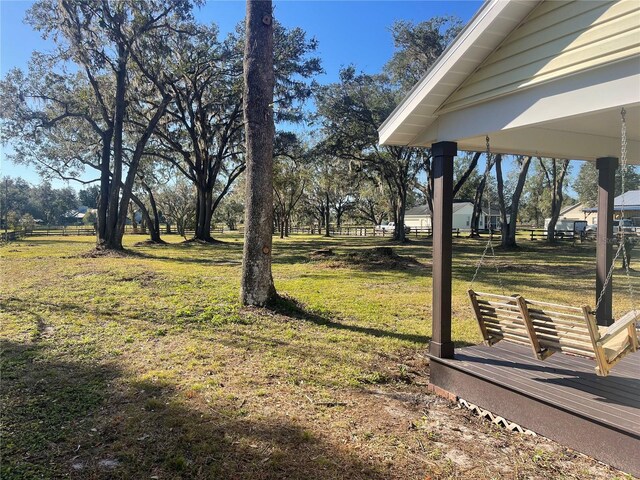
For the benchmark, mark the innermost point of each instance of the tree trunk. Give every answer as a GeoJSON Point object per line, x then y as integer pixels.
{"type": "Point", "coordinates": [113, 238]}
{"type": "Point", "coordinates": [154, 229]}
{"type": "Point", "coordinates": [155, 220]}
{"type": "Point", "coordinates": [327, 217]}
{"type": "Point", "coordinates": [257, 286]}
{"type": "Point", "coordinates": [504, 223]}
{"type": "Point", "coordinates": [626, 255]}
{"type": "Point", "coordinates": [105, 187]}
{"type": "Point", "coordinates": [204, 213]}
{"type": "Point", "coordinates": [428, 191]}
{"type": "Point", "coordinates": [515, 203]}
{"type": "Point", "coordinates": [465, 176]}
{"type": "Point", "coordinates": [557, 181]}
{"type": "Point", "coordinates": [127, 186]}
{"type": "Point", "coordinates": [399, 234]}
{"type": "Point", "coordinates": [477, 201]}
{"type": "Point", "coordinates": [477, 210]}
{"type": "Point", "coordinates": [134, 224]}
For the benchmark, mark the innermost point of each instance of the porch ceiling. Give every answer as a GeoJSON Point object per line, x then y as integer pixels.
{"type": "Point", "coordinates": [583, 137]}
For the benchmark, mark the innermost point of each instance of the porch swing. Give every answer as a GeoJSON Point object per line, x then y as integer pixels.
{"type": "Point", "coordinates": [548, 327]}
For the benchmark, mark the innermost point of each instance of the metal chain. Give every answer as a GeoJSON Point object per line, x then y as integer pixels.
{"type": "Point", "coordinates": [489, 245]}
{"type": "Point", "coordinates": [609, 275]}
{"type": "Point", "coordinates": [621, 247]}
{"type": "Point", "coordinates": [623, 164]}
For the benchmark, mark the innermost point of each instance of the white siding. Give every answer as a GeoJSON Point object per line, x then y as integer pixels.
{"type": "Point", "coordinates": [558, 38]}
{"type": "Point", "coordinates": [417, 221]}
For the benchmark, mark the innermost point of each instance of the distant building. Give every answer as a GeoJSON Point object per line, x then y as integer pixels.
{"type": "Point", "coordinates": [75, 216]}
{"type": "Point", "coordinates": [572, 213]}
{"type": "Point", "coordinates": [628, 201]}
{"type": "Point", "coordinates": [420, 216]}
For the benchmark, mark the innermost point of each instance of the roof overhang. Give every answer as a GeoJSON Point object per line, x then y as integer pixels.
{"type": "Point", "coordinates": [577, 116]}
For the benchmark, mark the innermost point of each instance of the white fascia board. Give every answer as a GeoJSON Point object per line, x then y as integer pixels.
{"type": "Point", "coordinates": [474, 43]}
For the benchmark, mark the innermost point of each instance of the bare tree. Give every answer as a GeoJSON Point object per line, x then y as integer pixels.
{"type": "Point", "coordinates": [554, 174]}
{"type": "Point", "coordinates": [477, 201]}
{"type": "Point", "coordinates": [257, 286]}
{"type": "Point", "coordinates": [508, 228]}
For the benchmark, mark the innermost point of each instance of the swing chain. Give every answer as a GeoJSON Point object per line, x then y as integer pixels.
{"type": "Point", "coordinates": [489, 245]}
{"type": "Point", "coordinates": [622, 240]}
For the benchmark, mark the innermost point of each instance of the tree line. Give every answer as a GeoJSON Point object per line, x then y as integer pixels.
{"type": "Point", "coordinates": [151, 102]}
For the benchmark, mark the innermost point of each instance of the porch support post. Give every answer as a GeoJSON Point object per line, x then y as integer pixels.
{"type": "Point", "coordinates": [604, 249]}
{"type": "Point", "coordinates": [443, 153]}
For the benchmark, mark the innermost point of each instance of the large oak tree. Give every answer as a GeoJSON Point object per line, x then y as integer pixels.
{"type": "Point", "coordinates": [72, 109]}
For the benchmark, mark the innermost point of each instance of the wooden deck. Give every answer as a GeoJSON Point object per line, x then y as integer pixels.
{"type": "Point", "coordinates": [561, 398]}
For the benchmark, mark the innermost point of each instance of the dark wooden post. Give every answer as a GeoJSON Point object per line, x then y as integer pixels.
{"type": "Point", "coordinates": [443, 153]}
{"type": "Point", "coordinates": [604, 250]}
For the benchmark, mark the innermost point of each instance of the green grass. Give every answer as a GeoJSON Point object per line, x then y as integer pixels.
{"type": "Point", "coordinates": [149, 360]}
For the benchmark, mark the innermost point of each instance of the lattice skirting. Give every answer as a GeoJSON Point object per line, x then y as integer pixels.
{"type": "Point", "coordinates": [500, 421]}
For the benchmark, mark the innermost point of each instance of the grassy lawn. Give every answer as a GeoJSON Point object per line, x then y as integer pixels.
{"type": "Point", "coordinates": [146, 366]}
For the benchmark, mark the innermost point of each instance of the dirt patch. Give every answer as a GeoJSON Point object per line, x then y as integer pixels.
{"type": "Point", "coordinates": [211, 241]}
{"type": "Point", "coordinates": [102, 253]}
{"type": "Point", "coordinates": [370, 259]}
{"type": "Point", "coordinates": [143, 278]}
{"type": "Point", "coordinates": [149, 243]}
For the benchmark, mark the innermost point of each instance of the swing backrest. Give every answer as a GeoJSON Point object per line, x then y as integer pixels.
{"type": "Point", "coordinates": [574, 331]}
{"type": "Point", "coordinates": [563, 328]}
{"type": "Point", "coordinates": [500, 318]}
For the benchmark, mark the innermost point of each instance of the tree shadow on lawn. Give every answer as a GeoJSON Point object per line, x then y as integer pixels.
{"type": "Point", "coordinates": [570, 281]}
{"type": "Point", "coordinates": [91, 420]}
{"type": "Point", "coordinates": [290, 307]}
{"type": "Point", "coordinates": [366, 260]}
{"type": "Point", "coordinates": [185, 251]}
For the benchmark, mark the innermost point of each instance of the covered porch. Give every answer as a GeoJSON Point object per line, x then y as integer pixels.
{"type": "Point", "coordinates": [548, 79]}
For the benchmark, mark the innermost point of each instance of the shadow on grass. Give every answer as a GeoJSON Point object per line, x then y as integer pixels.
{"type": "Point", "coordinates": [379, 259]}
{"type": "Point", "coordinates": [185, 250]}
{"type": "Point", "coordinates": [291, 308]}
{"type": "Point", "coordinates": [66, 418]}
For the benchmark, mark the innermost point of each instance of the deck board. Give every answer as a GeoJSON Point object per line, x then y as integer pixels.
{"type": "Point", "coordinates": [566, 382]}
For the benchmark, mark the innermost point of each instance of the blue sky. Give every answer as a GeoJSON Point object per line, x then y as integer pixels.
{"type": "Point", "coordinates": [348, 32]}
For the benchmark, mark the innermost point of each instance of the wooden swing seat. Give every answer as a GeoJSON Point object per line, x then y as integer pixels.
{"type": "Point", "coordinates": [550, 328]}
